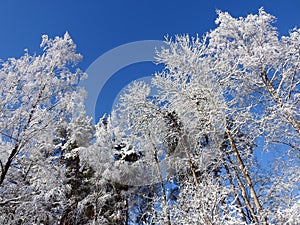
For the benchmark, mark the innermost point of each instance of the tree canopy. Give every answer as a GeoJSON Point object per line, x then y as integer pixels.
{"type": "Point", "coordinates": [188, 154]}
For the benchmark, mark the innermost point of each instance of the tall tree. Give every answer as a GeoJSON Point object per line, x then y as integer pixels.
{"type": "Point", "coordinates": [39, 93]}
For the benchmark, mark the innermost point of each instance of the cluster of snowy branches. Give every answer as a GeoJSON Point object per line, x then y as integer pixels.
{"type": "Point", "coordinates": [188, 154]}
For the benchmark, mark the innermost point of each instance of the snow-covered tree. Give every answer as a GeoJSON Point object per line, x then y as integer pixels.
{"type": "Point", "coordinates": [259, 70]}
{"type": "Point", "coordinates": [218, 98]}
{"type": "Point", "coordinates": [40, 100]}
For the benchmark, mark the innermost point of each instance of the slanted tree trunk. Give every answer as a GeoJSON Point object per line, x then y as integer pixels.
{"type": "Point", "coordinates": [247, 179]}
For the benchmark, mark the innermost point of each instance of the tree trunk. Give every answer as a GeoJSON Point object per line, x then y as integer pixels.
{"type": "Point", "coordinates": [247, 177]}
{"type": "Point", "coordinates": [166, 212]}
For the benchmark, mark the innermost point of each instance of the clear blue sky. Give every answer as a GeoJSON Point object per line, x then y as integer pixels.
{"type": "Point", "coordinates": [97, 26]}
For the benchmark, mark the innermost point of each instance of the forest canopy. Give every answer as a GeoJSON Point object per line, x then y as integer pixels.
{"type": "Point", "coordinates": [188, 154]}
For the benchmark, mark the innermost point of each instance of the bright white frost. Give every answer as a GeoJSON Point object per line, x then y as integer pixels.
{"type": "Point", "coordinates": [184, 155]}
{"type": "Point", "coordinates": [39, 93]}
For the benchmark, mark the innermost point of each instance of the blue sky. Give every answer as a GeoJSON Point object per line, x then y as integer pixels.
{"type": "Point", "coordinates": [98, 26]}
